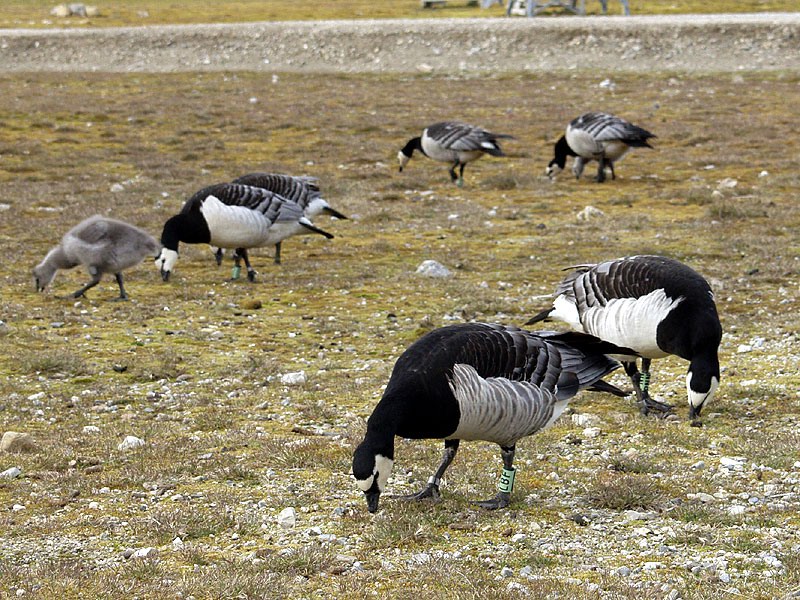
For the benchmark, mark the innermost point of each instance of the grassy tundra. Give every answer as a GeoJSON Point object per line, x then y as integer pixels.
{"type": "Point", "coordinates": [637, 509]}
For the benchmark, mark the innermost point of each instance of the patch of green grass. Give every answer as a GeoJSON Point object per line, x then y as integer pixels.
{"type": "Point", "coordinates": [625, 491]}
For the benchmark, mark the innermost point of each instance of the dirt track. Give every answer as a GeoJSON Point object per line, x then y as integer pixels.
{"type": "Point", "coordinates": [688, 43]}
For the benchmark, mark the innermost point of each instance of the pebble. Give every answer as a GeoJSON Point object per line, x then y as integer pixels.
{"type": "Point", "coordinates": [506, 572]}
{"type": "Point", "coordinates": [584, 420]}
{"type": "Point", "coordinates": [294, 378]}
{"type": "Point", "coordinates": [11, 473]}
{"type": "Point", "coordinates": [591, 432]}
{"type": "Point", "coordinates": [14, 441]}
{"type": "Point", "coordinates": [431, 268]}
{"type": "Point", "coordinates": [148, 552]}
{"type": "Point", "coordinates": [590, 212]}
{"type": "Point", "coordinates": [18, 507]}
{"type": "Point", "coordinates": [287, 518]}
{"type": "Point", "coordinates": [623, 571]}
{"type": "Point", "coordinates": [518, 537]}
{"type": "Point", "coordinates": [130, 442]}
{"type": "Point", "coordinates": [91, 429]}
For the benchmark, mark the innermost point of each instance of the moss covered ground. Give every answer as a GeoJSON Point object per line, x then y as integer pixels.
{"type": "Point", "coordinates": [193, 366]}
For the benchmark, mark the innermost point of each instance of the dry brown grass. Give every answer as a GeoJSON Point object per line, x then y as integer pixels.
{"type": "Point", "coordinates": [216, 420]}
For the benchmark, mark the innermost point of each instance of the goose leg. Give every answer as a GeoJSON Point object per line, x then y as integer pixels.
{"type": "Point", "coordinates": [641, 383]}
{"type": "Point", "coordinates": [123, 295]}
{"type": "Point", "coordinates": [278, 253]}
{"type": "Point", "coordinates": [611, 166]}
{"type": "Point", "coordinates": [237, 264]}
{"type": "Point", "coordinates": [460, 182]}
{"type": "Point", "coordinates": [453, 176]}
{"type": "Point", "coordinates": [218, 256]}
{"type": "Point", "coordinates": [251, 272]}
{"type": "Point", "coordinates": [95, 280]}
{"type": "Point", "coordinates": [601, 171]}
{"type": "Point", "coordinates": [506, 483]}
{"type": "Point", "coordinates": [432, 489]}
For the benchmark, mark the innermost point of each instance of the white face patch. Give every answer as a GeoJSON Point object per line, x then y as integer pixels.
{"type": "Point", "coordinates": [698, 399]}
{"type": "Point", "coordinates": [552, 171]}
{"type": "Point", "coordinates": [166, 260]}
{"type": "Point", "coordinates": [383, 468]}
{"type": "Point", "coordinates": [402, 159]}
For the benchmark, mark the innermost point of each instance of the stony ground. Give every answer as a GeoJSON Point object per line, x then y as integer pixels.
{"type": "Point", "coordinates": [249, 398]}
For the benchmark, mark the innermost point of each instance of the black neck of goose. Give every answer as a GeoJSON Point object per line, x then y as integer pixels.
{"type": "Point", "coordinates": [562, 151]}
{"type": "Point", "coordinates": [413, 144]}
{"type": "Point", "coordinates": [190, 228]}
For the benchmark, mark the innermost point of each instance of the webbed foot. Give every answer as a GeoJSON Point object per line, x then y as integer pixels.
{"type": "Point", "coordinates": [501, 500]}
{"type": "Point", "coordinates": [430, 491]}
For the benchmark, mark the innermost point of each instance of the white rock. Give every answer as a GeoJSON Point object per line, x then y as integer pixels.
{"type": "Point", "coordinates": [506, 572]}
{"type": "Point", "coordinates": [294, 378]}
{"type": "Point", "coordinates": [62, 10]}
{"type": "Point", "coordinates": [287, 518]}
{"type": "Point", "coordinates": [701, 496]}
{"type": "Point", "coordinates": [518, 537]}
{"type": "Point", "coordinates": [724, 577]}
{"type": "Point", "coordinates": [584, 420]}
{"type": "Point", "coordinates": [130, 442]}
{"type": "Point", "coordinates": [11, 473]}
{"type": "Point", "coordinates": [18, 507]}
{"type": "Point", "coordinates": [177, 543]}
{"type": "Point", "coordinates": [735, 463]}
{"type": "Point", "coordinates": [736, 509]}
{"type": "Point", "coordinates": [590, 212]}
{"type": "Point", "coordinates": [117, 187]}
{"type": "Point", "coordinates": [95, 506]}
{"type": "Point", "coordinates": [148, 552]}
{"type": "Point", "coordinates": [727, 184]}
{"type": "Point", "coordinates": [14, 441]}
{"type": "Point", "coordinates": [652, 566]}
{"type": "Point", "coordinates": [591, 432]}
{"type": "Point", "coordinates": [744, 348]}
{"type": "Point", "coordinates": [91, 429]}
{"type": "Point", "coordinates": [764, 174]}
{"type": "Point", "coordinates": [431, 268]}
{"type": "Point", "coordinates": [424, 68]}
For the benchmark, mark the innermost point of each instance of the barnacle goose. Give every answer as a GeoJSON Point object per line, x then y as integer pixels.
{"type": "Point", "coordinates": [231, 215]}
{"type": "Point", "coordinates": [453, 142]}
{"type": "Point", "coordinates": [654, 305]}
{"type": "Point", "coordinates": [477, 381]}
{"type": "Point", "coordinates": [301, 189]}
{"type": "Point", "coordinates": [102, 245]}
{"type": "Point", "coordinates": [597, 136]}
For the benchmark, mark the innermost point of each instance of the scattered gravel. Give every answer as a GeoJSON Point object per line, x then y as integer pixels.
{"type": "Point", "coordinates": [766, 41]}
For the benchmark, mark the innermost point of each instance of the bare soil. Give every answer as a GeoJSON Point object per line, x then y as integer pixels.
{"type": "Point", "coordinates": [694, 43]}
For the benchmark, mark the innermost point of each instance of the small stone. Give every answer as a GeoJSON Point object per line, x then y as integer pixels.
{"type": "Point", "coordinates": [652, 566]}
{"type": "Point", "coordinates": [518, 537]}
{"type": "Point", "coordinates": [127, 553]}
{"type": "Point", "coordinates": [526, 571]}
{"type": "Point", "coordinates": [61, 11]}
{"type": "Point", "coordinates": [736, 509]}
{"type": "Point", "coordinates": [698, 465]}
{"type": "Point", "coordinates": [95, 506]}
{"type": "Point", "coordinates": [177, 543]}
{"type": "Point", "coordinates": [579, 519]}
{"type": "Point", "coordinates": [724, 577]}
{"type": "Point", "coordinates": [623, 571]}
{"type": "Point", "coordinates": [590, 212]}
{"type": "Point", "coordinates": [591, 432]}
{"type": "Point", "coordinates": [252, 304]}
{"type": "Point", "coordinates": [506, 572]}
{"type": "Point", "coordinates": [702, 497]}
{"type": "Point", "coordinates": [91, 429]}
{"type": "Point", "coordinates": [431, 268]}
{"type": "Point", "coordinates": [14, 441]}
{"type": "Point", "coordinates": [583, 420]}
{"type": "Point", "coordinates": [11, 473]}
{"type": "Point", "coordinates": [148, 552]}
{"type": "Point", "coordinates": [287, 518]}
{"type": "Point", "coordinates": [131, 442]}
{"type": "Point", "coordinates": [117, 187]}
{"type": "Point", "coordinates": [744, 348]}
{"type": "Point", "coordinates": [735, 463]}
{"type": "Point", "coordinates": [18, 507]}
{"type": "Point", "coordinates": [295, 378]}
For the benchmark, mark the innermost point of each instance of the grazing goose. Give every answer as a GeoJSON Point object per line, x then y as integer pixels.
{"type": "Point", "coordinates": [477, 381]}
{"type": "Point", "coordinates": [597, 136]}
{"type": "Point", "coordinates": [231, 215]}
{"type": "Point", "coordinates": [654, 305]}
{"type": "Point", "coordinates": [102, 245]}
{"type": "Point", "coordinates": [303, 190]}
{"type": "Point", "coordinates": [453, 142]}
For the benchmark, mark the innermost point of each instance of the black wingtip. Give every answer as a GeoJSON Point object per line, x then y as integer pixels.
{"type": "Point", "coordinates": [609, 388]}
{"type": "Point", "coordinates": [568, 385]}
{"type": "Point", "coordinates": [540, 317]}
{"type": "Point", "coordinates": [334, 213]}
{"type": "Point", "coordinates": [317, 230]}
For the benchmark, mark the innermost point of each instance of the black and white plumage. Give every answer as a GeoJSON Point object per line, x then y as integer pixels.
{"type": "Point", "coordinates": [301, 189]}
{"type": "Point", "coordinates": [656, 306]}
{"type": "Point", "coordinates": [477, 381]}
{"type": "Point", "coordinates": [597, 136]}
{"type": "Point", "coordinates": [102, 245]}
{"type": "Point", "coordinates": [230, 215]}
{"type": "Point", "coordinates": [455, 143]}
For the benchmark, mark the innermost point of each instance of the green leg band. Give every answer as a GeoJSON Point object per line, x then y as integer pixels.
{"type": "Point", "coordinates": [644, 381]}
{"type": "Point", "coordinates": [506, 483]}
{"type": "Point", "coordinates": [237, 270]}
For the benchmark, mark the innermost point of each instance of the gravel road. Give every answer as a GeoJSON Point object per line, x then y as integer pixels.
{"type": "Point", "coordinates": [687, 43]}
